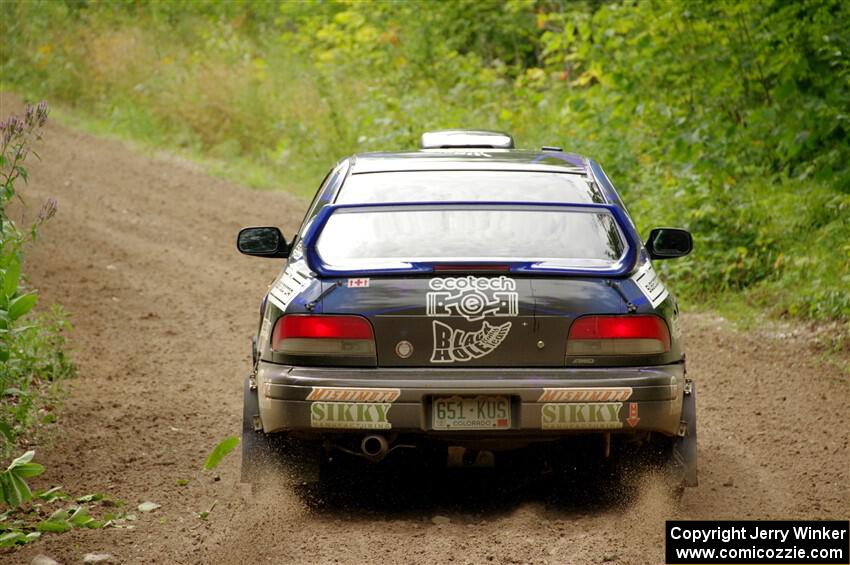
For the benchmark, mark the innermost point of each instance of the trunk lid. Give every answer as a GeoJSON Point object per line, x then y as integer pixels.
{"type": "Point", "coordinates": [469, 320]}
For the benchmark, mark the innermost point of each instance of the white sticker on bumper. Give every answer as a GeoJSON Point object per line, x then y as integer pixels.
{"type": "Point", "coordinates": [583, 416]}
{"type": "Point", "coordinates": [350, 415]}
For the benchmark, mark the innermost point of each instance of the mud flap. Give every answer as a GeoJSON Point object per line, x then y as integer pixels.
{"type": "Point", "coordinates": [296, 461]}
{"type": "Point", "coordinates": [685, 447]}
{"type": "Point", "coordinates": [257, 448]}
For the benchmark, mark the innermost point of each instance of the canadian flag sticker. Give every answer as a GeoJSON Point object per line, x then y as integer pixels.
{"type": "Point", "coordinates": [358, 283]}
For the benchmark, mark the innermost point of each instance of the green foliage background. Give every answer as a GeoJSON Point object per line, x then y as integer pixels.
{"type": "Point", "coordinates": [729, 118]}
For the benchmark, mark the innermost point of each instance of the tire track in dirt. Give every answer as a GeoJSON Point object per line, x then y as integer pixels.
{"type": "Point", "coordinates": [142, 254]}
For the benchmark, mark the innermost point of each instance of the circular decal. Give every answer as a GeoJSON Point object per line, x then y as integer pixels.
{"type": "Point", "coordinates": [472, 304]}
{"type": "Point", "coordinates": [404, 349]}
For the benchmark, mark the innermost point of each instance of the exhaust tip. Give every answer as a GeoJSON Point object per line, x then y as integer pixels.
{"type": "Point", "coordinates": [374, 447]}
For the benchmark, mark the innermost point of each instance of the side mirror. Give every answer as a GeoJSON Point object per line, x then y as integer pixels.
{"type": "Point", "coordinates": [668, 243]}
{"type": "Point", "coordinates": [262, 242]}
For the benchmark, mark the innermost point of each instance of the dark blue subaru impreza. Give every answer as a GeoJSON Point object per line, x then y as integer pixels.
{"type": "Point", "coordinates": [466, 298]}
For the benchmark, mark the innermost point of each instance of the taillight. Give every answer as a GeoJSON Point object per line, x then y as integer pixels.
{"type": "Point", "coordinates": [298, 334]}
{"type": "Point", "coordinates": [618, 335]}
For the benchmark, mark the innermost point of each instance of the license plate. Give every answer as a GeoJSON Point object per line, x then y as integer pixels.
{"type": "Point", "coordinates": [479, 413]}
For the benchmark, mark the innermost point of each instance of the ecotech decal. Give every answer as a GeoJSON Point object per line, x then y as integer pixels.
{"type": "Point", "coordinates": [473, 298]}
{"type": "Point", "coordinates": [351, 408]}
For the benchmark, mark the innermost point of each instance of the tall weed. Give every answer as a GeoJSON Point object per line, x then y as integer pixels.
{"type": "Point", "coordinates": [32, 347]}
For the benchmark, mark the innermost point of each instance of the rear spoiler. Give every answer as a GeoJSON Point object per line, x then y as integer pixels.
{"type": "Point", "coordinates": [620, 269]}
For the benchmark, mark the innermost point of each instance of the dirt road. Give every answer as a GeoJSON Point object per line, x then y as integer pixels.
{"type": "Point", "coordinates": [142, 254]}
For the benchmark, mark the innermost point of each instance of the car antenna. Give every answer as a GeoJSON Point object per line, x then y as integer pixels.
{"type": "Point", "coordinates": [312, 304]}
{"type": "Point", "coordinates": [616, 286]}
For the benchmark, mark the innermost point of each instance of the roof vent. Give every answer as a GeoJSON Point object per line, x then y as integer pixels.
{"type": "Point", "coordinates": [461, 138]}
{"type": "Point", "coordinates": [551, 148]}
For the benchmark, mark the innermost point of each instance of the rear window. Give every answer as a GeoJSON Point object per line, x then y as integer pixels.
{"type": "Point", "coordinates": [393, 238]}
{"type": "Point", "coordinates": [447, 186]}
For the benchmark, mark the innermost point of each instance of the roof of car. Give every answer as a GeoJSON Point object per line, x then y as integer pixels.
{"type": "Point", "coordinates": [469, 159]}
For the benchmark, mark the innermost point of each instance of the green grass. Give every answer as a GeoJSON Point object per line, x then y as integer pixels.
{"type": "Point", "coordinates": [138, 130]}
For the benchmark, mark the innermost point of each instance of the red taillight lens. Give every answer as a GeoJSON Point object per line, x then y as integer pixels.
{"type": "Point", "coordinates": [298, 334]}
{"type": "Point", "coordinates": [618, 335]}
{"type": "Point", "coordinates": [324, 327]}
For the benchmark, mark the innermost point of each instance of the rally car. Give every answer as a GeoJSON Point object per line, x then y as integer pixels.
{"type": "Point", "coordinates": [466, 298]}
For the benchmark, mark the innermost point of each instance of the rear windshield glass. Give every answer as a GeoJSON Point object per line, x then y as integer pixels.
{"type": "Point", "coordinates": [392, 238]}
{"type": "Point", "coordinates": [445, 186]}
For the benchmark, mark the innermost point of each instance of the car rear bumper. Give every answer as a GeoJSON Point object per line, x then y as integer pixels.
{"type": "Point", "coordinates": [544, 403]}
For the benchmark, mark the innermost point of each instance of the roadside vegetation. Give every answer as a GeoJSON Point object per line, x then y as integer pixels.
{"type": "Point", "coordinates": [25, 516]}
{"type": "Point", "coordinates": [728, 118]}
{"type": "Point", "coordinates": [33, 362]}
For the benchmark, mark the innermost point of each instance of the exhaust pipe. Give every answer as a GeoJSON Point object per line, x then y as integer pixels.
{"type": "Point", "coordinates": [375, 447]}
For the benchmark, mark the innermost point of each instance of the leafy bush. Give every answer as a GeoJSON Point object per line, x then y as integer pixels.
{"type": "Point", "coordinates": [32, 357]}
{"type": "Point", "coordinates": [728, 118]}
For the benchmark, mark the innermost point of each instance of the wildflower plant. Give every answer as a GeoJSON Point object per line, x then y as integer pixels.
{"type": "Point", "coordinates": [18, 135]}
{"type": "Point", "coordinates": [32, 358]}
